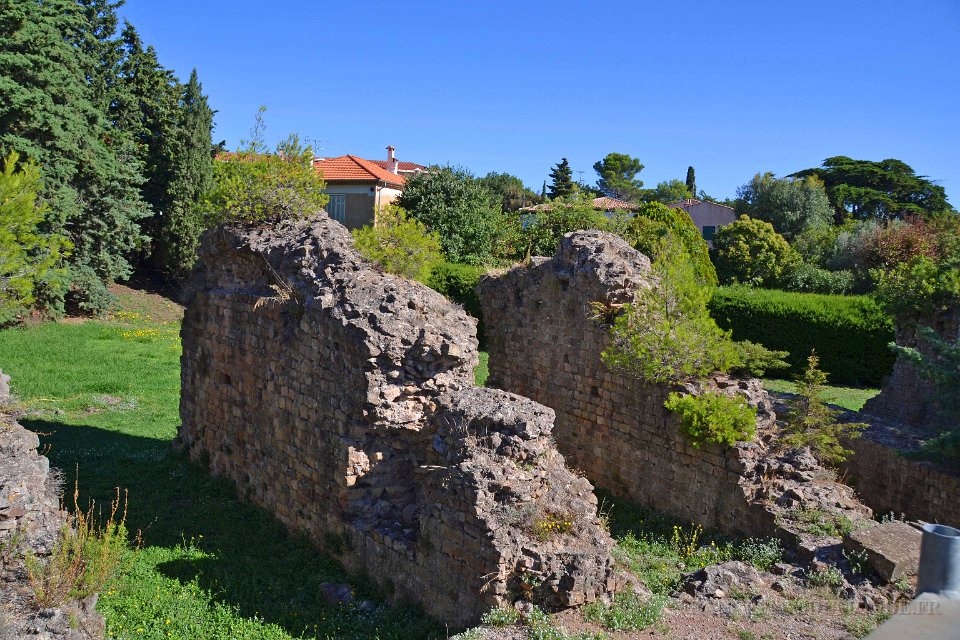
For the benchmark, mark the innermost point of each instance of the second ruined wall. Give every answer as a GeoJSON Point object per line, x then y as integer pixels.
{"type": "Point", "coordinates": [543, 344]}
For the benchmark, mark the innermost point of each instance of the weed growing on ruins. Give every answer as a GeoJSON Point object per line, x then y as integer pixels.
{"type": "Point", "coordinates": [712, 417]}
{"type": "Point", "coordinates": [541, 627]}
{"type": "Point", "coordinates": [551, 524]}
{"type": "Point", "coordinates": [628, 612]}
{"type": "Point", "coordinates": [821, 523]}
{"type": "Point", "coordinates": [829, 577]}
{"type": "Point", "coordinates": [667, 334]}
{"type": "Point", "coordinates": [811, 423]}
{"type": "Point", "coordinates": [86, 556]}
{"type": "Point", "coordinates": [861, 624]}
{"type": "Point", "coordinates": [399, 243]}
{"type": "Point", "coordinates": [761, 553]}
{"type": "Point", "coordinates": [501, 617]}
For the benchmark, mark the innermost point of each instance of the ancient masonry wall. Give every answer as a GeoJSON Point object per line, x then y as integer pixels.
{"type": "Point", "coordinates": [907, 396]}
{"type": "Point", "coordinates": [342, 400]}
{"type": "Point", "coordinates": [544, 344]}
{"type": "Point", "coordinates": [889, 482]}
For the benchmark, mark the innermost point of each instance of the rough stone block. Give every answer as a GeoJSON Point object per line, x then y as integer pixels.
{"type": "Point", "coordinates": [892, 548]}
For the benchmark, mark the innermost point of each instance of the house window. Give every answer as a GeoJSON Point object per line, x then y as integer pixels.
{"type": "Point", "coordinates": [708, 232]}
{"type": "Point", "coordinates": [337, 207]}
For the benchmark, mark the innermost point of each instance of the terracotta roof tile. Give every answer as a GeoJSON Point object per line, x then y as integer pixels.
{"type": "Point", "coordinates": [354, 169]}
{"type": "Point", "coordinates": [401, 166]}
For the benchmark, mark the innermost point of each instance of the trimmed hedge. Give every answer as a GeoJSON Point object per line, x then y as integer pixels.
{"type": "Point", "coordinates": [851, 334]}
{"type": "Point", "coordinates": [458, 282]}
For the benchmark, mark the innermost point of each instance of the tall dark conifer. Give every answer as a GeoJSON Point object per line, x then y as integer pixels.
{"type": "Point", "coordinates": [49, 115]}
{"type": "Point", "coordinates": [562, 184]}
{"type": "Point", "coordinates": [691, 182]}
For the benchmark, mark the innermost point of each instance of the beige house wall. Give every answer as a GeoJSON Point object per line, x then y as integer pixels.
{"type": "Point", "coordinates": [362, 201]}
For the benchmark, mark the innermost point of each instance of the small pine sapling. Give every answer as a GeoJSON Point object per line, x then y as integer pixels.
{"type": "Point", "coordinates": [811, 423]}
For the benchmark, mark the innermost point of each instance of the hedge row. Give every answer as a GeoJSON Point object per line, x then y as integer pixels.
{"type": "Point", "coordinates": [458, 282]}
{"type": "Point", "coordinates": [851, 334]}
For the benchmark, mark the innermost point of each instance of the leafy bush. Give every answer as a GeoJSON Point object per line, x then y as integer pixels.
{"type": "Point", "coordinates": [653, 223]}
{"type": "Point", "coordinates": [713, 417]}
{"type": "Point", "coordinates": [811, 423]}
{"type": "Point", "coordinates": [666, 334]}
{"type": "Point", "coordinates": [28, 256]}
{"type": "Point", "coordinates": [87, 295]}
{"type": "Point", "coordinates": [459, 209]}
{"type": "Point", "coordinates": [755, 359]}
{"type": "Point", "coordinates": [399, 244]}
{"type": "Point", "coordinates": [851, 333]}
{"type": "Point", "coordinates": [827, 577]}
{"type": "Point", "coordinates": [546, 227]}
{"type": "Point", "coordinates": [809, 278]}
{"type": "Point", "coordinates": [252, 186]}
{"type": "Point", "coordinates": [458, 282]}
{"type": "Point", "coordinates": [750, 252]}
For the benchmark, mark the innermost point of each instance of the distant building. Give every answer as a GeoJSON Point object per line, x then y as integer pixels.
{"type": "Point", "coordinates": [358, 187]}
{"type": "Point", "coordinates": [708, 216]}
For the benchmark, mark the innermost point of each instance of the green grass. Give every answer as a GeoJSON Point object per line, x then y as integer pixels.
{"type": "Point", "coordinates": [852, 398]}
{"type": "Point", "coordinates": [482, 372]}
{"type": "Point", "coordinates": [104, 397]}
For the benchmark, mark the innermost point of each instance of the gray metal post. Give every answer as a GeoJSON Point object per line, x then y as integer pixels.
{"type": "Point", "coordinates": [940, 561]}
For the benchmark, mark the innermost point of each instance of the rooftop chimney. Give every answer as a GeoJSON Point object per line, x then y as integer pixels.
{"type": "Point", "coordinates": [392, 164]}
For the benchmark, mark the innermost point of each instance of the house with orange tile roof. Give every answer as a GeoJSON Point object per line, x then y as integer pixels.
{"type": "Point", "coordinates": [708, 216]}
{"type": "Point", "coordinates": [358, 188]}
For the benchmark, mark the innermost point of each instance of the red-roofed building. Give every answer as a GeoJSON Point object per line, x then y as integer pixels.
{"type": "Point", "coordinates": [359, 187]}
{"type": "Point", "coordinates": [708, 216]}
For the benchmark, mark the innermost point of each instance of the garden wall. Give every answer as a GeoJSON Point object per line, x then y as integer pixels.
{"type": "Point", "coordinates": [543, 344]}
{"type": "Point", "coordinates": [342, 400]}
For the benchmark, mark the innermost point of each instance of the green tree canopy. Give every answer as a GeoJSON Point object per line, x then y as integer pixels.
{"type": "Point", "coordinates": [48, 114]}
{"type": "Point", "coordinates": [791, 205]}
{"type": "Point", "coordinates": [27, 254]}
{"type": "Point", "coordinates": [751, 252]}
{"type": "Point", "coordinates": [511, 191]}
{"type": "Point", "coordinates": [617, 176]}
{"type": "Point", "coordinates": [562, 184]}
{"type": "Point", "coordinates": [455, 205]}
{"type": "Point", "coordinates": [888, 189]}
{"type": "Point", "coordinates": [668, 192]}
{"type": "Point", "coordinates": [399, 244]}
{"type": "Point", "coordinates": [691, 182]}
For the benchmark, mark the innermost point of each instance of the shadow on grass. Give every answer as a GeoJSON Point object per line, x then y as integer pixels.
{"type": "Point", "coordinates": [242, 555]}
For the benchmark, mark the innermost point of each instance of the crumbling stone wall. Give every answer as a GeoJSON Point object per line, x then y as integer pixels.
{"type": "Point", "coordinates": [889, 482]}
{"type": "Point", "coordinates": [543, 344]}
{"type": "Point", "coordinates": [342, 400]}
{"type": "Point", "coordinates": [906, 395]}
{"type": "Point", "coordinates": [30, 520]}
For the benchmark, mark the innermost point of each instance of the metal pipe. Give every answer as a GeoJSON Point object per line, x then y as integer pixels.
{"type": "Point", "coordinates": [939, 561]}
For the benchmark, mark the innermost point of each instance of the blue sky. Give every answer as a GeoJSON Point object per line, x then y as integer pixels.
{"type": "Point", "coordinates": [731, 88]}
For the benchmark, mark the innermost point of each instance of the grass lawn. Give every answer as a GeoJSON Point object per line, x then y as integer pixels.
{"type": "Point", "coordinates": [104, 397]}
{"type": "Point", "coordinates": [852, 398]}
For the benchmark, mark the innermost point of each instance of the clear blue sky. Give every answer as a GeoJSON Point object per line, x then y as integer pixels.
{"type": "Point", "coordinates": [731, 88]}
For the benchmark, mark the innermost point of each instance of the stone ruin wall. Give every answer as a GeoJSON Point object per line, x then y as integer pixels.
{"type": "Point", "coordinates": [543, 344]}
{"type": "Point", "coordinates": [907, 396]}
{"type": "Point", "coordinates": [907, 404]}
{"type": "Point", "coordinates": [342, 400]}
{"type": "Point", "coordinates": [30, 521]}
{"type": "Point", "coordinates": [889, 482]}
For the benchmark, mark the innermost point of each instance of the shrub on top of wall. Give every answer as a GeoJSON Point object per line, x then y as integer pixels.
{"type": "Point", "coordinates": [851, 334]}
{"type": "Point", "coordinates": [458, 282]}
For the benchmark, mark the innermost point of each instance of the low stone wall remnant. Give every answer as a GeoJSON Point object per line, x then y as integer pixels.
{"type": "Point", "coordinates": [30, 522]}
{"type": "Point", "coordinates": [342, 399]}
{"type": "Point", "coordinates": [544, 344]}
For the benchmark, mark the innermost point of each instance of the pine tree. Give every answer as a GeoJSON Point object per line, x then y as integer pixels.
{"type": "Point", "coordinates": [691, 182]}
{"type": "Point", "coordinates": [562, 177]}
{"type": "Point", "coordinates": [48, 115]}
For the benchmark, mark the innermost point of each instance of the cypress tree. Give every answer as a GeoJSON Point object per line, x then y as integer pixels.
{"type": "Point", "coordinates": [562, 177]}
{"type": "Point", "coordinates": [691, 182]}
